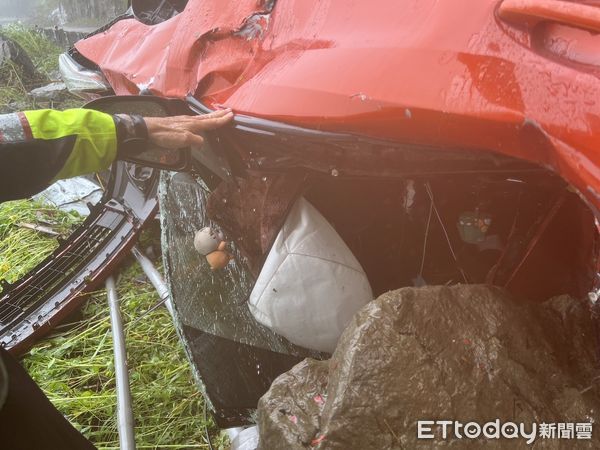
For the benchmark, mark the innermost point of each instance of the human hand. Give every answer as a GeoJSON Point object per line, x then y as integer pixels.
{"type": "Point", "coordinates": [182, 131]}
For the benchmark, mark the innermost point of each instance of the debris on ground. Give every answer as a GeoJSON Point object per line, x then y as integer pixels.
{"type": "Point", "coordinates": [75, 369]}
{"type": "Point", "coordinates": [74, 194]}
{"type": "Point", "coordinates": [41, 228]}
{"type": "Point", "coordinates": [462, 353]}
{"type": "Point", "coordinates": [50, 92]}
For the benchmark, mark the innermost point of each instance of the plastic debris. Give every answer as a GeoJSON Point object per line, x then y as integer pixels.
{"type": "Point", "coordinates": [72, 195]}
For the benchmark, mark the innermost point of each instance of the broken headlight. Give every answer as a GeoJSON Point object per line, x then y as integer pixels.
{"type": "Point", "coordinates": [81, 81]}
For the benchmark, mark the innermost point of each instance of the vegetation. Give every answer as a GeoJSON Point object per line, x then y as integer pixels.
{"type": "Point", "coordinates": [12, 86]}
{"type": "Point", "coordinates": [15, 85]}
{"type": "Point", "coordinates": [75, 368]}
{"type": "Point", "coordinates": [42, 52]}
{"type": "Point", "coordinates": [22, 248]}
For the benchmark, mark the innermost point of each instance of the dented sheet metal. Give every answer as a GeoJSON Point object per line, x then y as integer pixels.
{"type": "Point", "coordinates": [410, 71]}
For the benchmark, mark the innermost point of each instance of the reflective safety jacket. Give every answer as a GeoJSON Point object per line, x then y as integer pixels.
{"type": "Point", "coordinates": [40, 147]}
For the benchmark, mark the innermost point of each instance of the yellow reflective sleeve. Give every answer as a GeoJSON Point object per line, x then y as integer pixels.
{"type": "Point", "coordinates": [96, 138]}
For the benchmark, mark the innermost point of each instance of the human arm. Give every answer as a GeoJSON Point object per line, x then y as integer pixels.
{"type": "Point", "coordinates": [40, 147]}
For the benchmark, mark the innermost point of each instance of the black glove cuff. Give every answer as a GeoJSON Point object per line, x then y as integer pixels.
{"type": "Point", "coordinates": [132, 135]}
{"type": "Point", "coordinates": [139, 126]}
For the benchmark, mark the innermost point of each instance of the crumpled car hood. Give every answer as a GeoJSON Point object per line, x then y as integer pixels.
{"type": "Point", "coordinates": [454, 75]}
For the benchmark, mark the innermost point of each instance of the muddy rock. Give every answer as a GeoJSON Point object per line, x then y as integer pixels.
{"type": "Point", "coordinates": [290, 412]}
{"type": "Point", "coordinates": [11, 52]}
{"type": "Point", "coordinates": [462, 353]}
{"type": "Point", "coordinates": [50, 92]}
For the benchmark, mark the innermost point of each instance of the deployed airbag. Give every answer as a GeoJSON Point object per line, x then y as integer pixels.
{"type": "Point", "coordinates": [311, 284]}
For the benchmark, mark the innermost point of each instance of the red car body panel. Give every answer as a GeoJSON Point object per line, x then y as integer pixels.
{"type": "Point", "coordinates": [520, 77]}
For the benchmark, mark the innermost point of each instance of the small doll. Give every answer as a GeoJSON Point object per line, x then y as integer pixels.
{"type": "Point", "coordinates": [211, 244]}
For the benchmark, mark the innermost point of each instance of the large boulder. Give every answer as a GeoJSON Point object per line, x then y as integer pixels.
{"type": "Point", "coordinates": [462, 353]}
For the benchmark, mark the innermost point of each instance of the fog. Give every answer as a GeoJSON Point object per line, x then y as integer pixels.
{"type": "Point", "coordinates": [61, 12]}
{"type": "Point", "coordinates": [16, 8]}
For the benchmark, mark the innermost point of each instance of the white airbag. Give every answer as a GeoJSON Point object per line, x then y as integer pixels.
{"type": "Point", "coordinates": [311, 284]}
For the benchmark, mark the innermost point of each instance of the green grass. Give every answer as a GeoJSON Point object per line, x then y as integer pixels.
{"type": "Point", "coordinates": [75, 366]}
{"type": "Point", "coordinates": [21, 249]}
{"type": "Point", "coordinates": [14, 86]}
{"type": "Point", "coordinates": [43, 53]}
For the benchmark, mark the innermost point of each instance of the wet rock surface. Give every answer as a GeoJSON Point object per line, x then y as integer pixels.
{"type": "Point", "coordinates": [465, 353]}
{"type": "Point", "coordinates": [11, 52]}
{"type": "Point", "coordinates": [50, 92]}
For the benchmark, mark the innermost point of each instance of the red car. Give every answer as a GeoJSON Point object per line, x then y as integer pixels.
{"type": "Point", "coordinates": [444, 142]}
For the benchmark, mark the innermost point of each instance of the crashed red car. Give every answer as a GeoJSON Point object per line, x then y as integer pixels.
{"type": "Point", "coordinates": [517, 77]}
{"type": "Point", "coordinates": [444, 142]}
